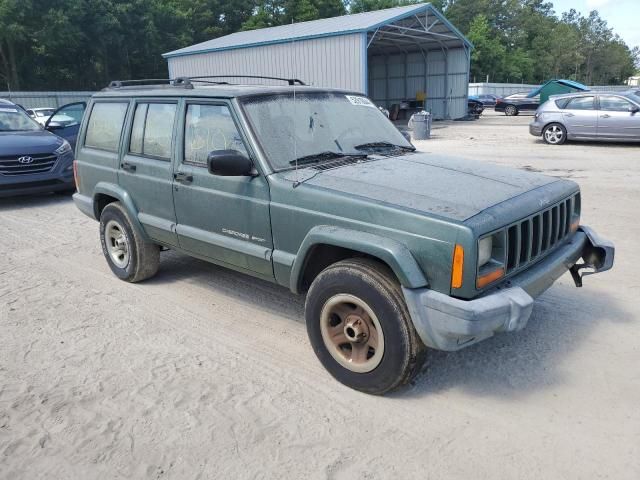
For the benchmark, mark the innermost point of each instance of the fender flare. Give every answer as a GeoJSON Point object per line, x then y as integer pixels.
{"type": "Point", "coordinates": [392, 252]}
{"type": "Point", "coordinates": [124, 198]}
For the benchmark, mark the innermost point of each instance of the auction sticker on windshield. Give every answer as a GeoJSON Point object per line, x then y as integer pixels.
{"type": "Point", "coordinates": [361, 101]}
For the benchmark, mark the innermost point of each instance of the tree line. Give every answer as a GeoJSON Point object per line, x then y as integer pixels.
{"type": "Point", "coordinates": [83, 44]}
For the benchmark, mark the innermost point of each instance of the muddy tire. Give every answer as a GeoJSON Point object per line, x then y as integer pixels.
{"type": "Point", "coordinates": [360, 328]}
{"type": "Point", "coordinates": [129, 255]}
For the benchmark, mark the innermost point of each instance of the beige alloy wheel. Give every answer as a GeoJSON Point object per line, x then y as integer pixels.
{"type": "Point", "coordinates": [352, 333]}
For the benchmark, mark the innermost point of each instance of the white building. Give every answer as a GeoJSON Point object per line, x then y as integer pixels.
{"type": "Point", "coordinates": [394, 56]}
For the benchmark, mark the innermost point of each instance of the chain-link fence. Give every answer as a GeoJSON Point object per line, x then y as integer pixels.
{"type": "Point", "coordinates": [45, 99]}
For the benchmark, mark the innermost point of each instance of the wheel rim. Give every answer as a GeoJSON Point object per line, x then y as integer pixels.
{"type": "Point", "coordinates": [511, 110]}
{"type": "Point", "coordinates": [117, 244]}
{"type": "Point", "coordinates": [352, 333]}
{"type": "Point", "coordinates": [554, 134]}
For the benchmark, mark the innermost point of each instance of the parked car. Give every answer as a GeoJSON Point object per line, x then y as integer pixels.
{"type": "Point", "coordinates": [32, 159]}
{"type": "Point", "coordinates": [40, 115]}
{"type": "Point", "coordinates": [317, 191]}
{"type": "Point", "coordinates": [488, 99]}
{"type": "Point", "coordinates": [474, 106]}
{"type": "Point", "coordinates": [608, 116]}
{"type": "Point", "coordinates": [65, 122]}
{"type": "Point", "coordinates": [518, 102]}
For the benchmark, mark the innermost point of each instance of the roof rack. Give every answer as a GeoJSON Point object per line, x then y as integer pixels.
{"type": "Point", "coordinates": [187, 82]}
{"type": "Point", "coordinates": [150, 82]}
{"type": "Point", "coordinates": [290, 81]}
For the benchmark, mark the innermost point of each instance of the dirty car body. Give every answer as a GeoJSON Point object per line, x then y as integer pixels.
{"type": "Point", "coordinates": [469, 244]}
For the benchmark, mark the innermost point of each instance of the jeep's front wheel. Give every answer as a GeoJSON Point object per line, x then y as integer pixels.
{"type": "Point", "coordinates": [130, 257]}
{"type": "Point", "coordinates": [360, 328]}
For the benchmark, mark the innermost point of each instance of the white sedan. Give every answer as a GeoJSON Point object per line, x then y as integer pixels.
{"type": "Point", "coordinates": [40, 115]}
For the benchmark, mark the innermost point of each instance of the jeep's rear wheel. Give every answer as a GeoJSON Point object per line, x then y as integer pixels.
{"type": "Point", "coordinates": [360, 328]}
{"type": "Point", "coordinates": [129, 255]}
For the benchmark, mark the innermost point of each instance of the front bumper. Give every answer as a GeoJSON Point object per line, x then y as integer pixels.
{"type": "Point", "coordinates": [59, 178]}
{"type": "Point", "coordinates": [447, 323]}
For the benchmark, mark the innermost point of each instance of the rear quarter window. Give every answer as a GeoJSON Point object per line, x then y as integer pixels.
{"type": "Point", "coordinates": [105, 125]}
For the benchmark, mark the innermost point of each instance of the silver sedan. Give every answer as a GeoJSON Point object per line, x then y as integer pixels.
{"type": "Point", "coordinates": [606, 116]}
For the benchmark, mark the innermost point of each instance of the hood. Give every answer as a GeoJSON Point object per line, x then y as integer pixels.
{"type": "Point", "coordinates": [27, 143]}
{"type": "Point", "coordinates": [448, 187]}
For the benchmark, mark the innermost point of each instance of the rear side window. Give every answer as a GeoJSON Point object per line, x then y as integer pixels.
{"type": "Point", "coordinates": [580, 103]}
{"type": "Point", "coordinates": [562, 103]}
{"type": "Point", "coordinates": [152, 130]}
{"type": "Point", "coordinates": [105, 126]}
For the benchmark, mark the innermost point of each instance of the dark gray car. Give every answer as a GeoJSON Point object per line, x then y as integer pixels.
{"type": "Point", "coordinates": [606, 116]}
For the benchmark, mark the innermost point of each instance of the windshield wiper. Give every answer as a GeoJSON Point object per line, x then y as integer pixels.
{"type": "Point", "coordinates": [322, 156]}
{"type": "Point", "coordinates": [365, 146]}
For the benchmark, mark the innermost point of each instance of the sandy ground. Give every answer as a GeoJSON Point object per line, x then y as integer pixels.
{"type": "Point", "coordinates": [205, 373]}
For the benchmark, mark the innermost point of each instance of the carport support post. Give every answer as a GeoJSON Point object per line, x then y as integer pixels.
{"type": "Point", "coordinates": [386, 80]}
{"type": "Point", "coordinates": [406, 79]}
{"type": "Point", "coordinates": [446, 83]}
{"type": "Point", "coordinates": [425, 57]}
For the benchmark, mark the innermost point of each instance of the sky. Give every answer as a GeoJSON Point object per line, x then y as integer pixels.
{"type": "Point", "coordinates": [621, 15]}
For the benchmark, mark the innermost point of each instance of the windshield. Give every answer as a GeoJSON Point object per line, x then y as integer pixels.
{"type": "Point", "coordinates": [317, 123]}
{"type": "Point", "coordinates": [13, 119]}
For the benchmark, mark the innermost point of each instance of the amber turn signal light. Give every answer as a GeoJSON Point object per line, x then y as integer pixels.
{"type": "Point", "coordinates": [487, 278]}
{"type": "Point", "coordinates": [458, 263]}
{"type": "Point", "coordinates": [575, 225]}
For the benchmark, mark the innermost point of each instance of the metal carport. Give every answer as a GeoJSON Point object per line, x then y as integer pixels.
{"type": "Point", "coordinates": [420, 52]}
{"type": "Point", "coordinates": [392, 55]}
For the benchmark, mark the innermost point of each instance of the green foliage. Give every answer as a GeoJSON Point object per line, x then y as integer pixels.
{"type": "Point", "coordinates": [524, 40]}
{"type": "Point", "coordinates": [282, 12]}
{"type": "Point", "coordinates": [358, 6]}
{"type": "Point", "coordinates": [82, 44]}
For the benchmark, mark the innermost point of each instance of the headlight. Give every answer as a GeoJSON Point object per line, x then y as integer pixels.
{"type": "Point", "coordinates": [491, 258]}
{"type": "Point", "coordinates": [485, 247]}
{"type": "Point", "coordinates": [62, 149]}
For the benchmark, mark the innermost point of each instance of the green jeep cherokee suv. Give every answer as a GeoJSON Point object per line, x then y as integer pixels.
{"type": "Point", "coordinates": [316, 190]}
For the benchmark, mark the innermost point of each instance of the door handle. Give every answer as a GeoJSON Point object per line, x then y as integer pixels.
{"type": "Point", "coordinates": [606, 115]}
{"type": "Point", "coordinates": [128, 167]}
{"type": "Point", "coordinates": [183, 177]}
{"type": "Point", "coordinates": [569, 115]}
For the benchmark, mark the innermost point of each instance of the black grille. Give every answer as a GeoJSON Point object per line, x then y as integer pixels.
{"type": "Point", "coordinates": [40, 163]}
{"type": "Point", "coordinates": [534, 237]}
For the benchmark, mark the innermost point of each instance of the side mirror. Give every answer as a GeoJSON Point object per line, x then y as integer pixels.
{"type": "Point", "coordinates": [52, 126]}
{"type": "Point", "coordinates": [229, 163]}
{"type": "Point", "coordinates": [634, 109]}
